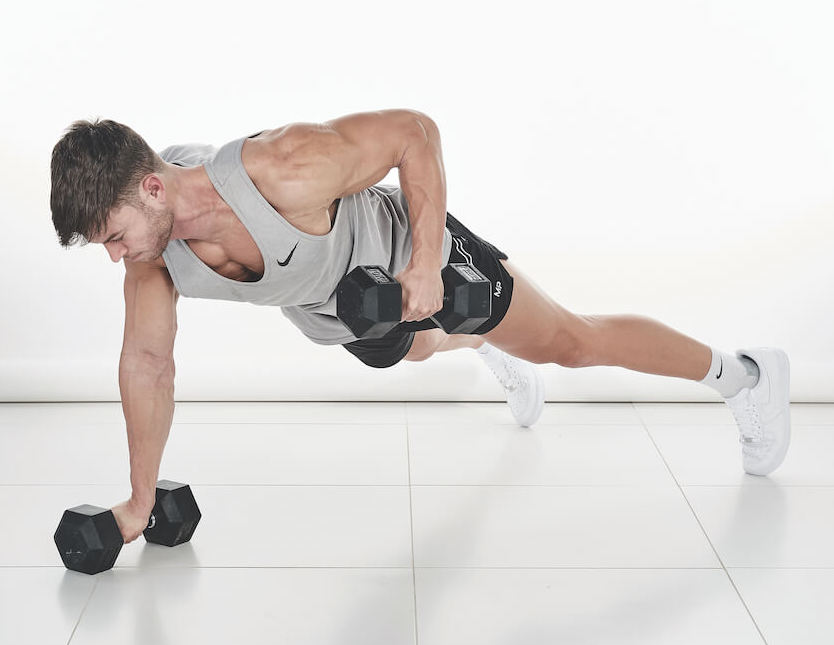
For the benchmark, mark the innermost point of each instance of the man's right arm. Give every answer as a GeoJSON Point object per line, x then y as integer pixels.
{"type": "Point", "coordinates": [146, 373]}
{"type": "Point", "coordinates": [147, 391]}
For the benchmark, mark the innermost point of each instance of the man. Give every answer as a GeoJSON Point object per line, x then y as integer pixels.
{"type": "Point", "coordinates": [279, 217]}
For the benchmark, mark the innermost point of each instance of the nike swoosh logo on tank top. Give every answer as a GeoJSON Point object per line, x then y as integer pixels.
{"type": "Point", "coordinates": [289, 257]}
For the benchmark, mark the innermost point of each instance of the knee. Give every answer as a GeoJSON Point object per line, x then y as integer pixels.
{"type": "Point", "coordinates": [575, 346]}
{"type": "Point", "coordinates": [424, 345]}
{"type": "Point", "coordinates": [416, 356]}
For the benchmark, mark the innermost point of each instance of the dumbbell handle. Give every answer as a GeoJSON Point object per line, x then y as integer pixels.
{"type": "Point", "coordinates": [389, 278]}
{"type": "Point", "coordinates": [446, 298]}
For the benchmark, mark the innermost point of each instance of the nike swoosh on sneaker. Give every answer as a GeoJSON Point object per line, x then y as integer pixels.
{"type": "Point", "coordinates": [289, 257]}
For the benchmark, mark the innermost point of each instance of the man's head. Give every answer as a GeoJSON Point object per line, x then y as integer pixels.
{"type": "Point", "coordinates": [107, 188]}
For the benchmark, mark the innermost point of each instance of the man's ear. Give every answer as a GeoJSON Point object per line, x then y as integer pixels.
{"type": "Point", "coordinates": [153, 185]}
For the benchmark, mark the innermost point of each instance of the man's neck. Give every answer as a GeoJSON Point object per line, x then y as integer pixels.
{"type": "Point", "coordinates": [199, 211]}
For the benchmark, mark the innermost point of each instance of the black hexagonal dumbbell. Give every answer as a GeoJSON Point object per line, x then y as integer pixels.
{"type": "Point", "coordinates": [369, 300]}
{"type": "Point", "coordinates": [89, 540]}
{"type": "Point", "coordinates": [467, 299]}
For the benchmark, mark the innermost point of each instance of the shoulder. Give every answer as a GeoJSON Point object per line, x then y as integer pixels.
{"type": "Point", "coordinates": [154, 274]}
{"type": "Point", "coordinates": [286, 165]}
{"type": "Point", "coordinates": [287, 141]}
{"type": "Point", "coordinates": [140, 267]}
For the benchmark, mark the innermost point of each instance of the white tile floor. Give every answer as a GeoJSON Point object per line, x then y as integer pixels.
{"type": "Point", "coordinates": [429, 523]}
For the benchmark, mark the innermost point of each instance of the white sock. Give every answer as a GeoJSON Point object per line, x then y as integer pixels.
{"type": "Point", "coordinates": [484, 349]}
{"type": "Point", "coordinates": [728, 374]}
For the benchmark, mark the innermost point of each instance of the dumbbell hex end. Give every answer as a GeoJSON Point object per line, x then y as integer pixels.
{"type": "Point", "coordinates": [369, 301]}
{"type": "Point", "coordinates": [175, 514]}
{"type": "Point", "coordinates": [88, 539]}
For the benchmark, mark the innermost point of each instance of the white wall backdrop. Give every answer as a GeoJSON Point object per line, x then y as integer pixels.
{"type": "Point", "coordinates": [671, 158]}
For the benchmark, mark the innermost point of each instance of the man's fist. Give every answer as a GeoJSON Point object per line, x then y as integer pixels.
{"type": "Point", "coordinates": [422, 292]}
{"type": "Point", "coordinates": [132, 519]}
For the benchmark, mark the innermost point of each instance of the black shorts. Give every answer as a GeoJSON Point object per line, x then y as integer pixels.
{"type": "Point", "coordinates": [466, 247]}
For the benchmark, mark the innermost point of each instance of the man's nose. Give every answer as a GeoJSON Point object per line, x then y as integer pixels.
{"type": "Point", "coordinates": [117, 252]}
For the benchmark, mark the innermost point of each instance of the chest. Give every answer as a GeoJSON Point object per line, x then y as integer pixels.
{"type": "Point", "coordinates": [239, 258]}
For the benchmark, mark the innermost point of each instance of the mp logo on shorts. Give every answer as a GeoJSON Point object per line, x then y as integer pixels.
{"type": "Point", "coordinates": [497, 292]}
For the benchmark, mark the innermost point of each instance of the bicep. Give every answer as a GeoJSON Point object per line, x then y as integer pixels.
{"type": "Point", "coordinates": [150, 314]}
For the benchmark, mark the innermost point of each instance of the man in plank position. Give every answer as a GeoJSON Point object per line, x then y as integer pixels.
{"type": "Point", "coordinates": [280, 216]}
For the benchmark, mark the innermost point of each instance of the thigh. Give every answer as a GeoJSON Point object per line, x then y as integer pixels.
{"type": "Point", "coordinates": [537, 329]}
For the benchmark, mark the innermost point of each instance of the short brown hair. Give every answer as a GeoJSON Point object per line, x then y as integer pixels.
{"type": "Point", "coordinates": [96, 166]}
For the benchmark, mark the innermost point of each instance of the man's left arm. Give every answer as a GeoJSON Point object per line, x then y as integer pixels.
{"type": "Point", "coordinates": [314, 163]}
{"type": "Point", "coordinates": [423, 182]}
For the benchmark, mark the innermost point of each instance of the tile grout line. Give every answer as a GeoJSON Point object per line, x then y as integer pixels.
{"type": "Point", "coordinates": [411, 523]}
{"type": "Point", "coordinates": [83, 609]}
{"type": "Point", "coordinates": [170, 567]}
{"type": "Point", "coordinates": [337, 485]}
{"type": "Point", "coordinates": [701, 526]}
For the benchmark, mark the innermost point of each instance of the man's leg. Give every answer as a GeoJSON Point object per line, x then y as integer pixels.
{"type": "Point", "coordinates": [539, 330]}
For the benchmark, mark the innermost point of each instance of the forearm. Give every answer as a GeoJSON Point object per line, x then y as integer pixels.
{"type": "Point", "coordinates": [423, 181]}
{"type": "Point", "coordinates": [147, 390]}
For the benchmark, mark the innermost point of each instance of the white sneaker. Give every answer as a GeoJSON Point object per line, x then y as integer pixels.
{"type": "Point", "coordinates": [763, 413]}
{"type": "Point", "coordinates": [522, 382]}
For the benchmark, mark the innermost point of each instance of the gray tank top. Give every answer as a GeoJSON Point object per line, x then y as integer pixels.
{"type": "Point", "coordinates": [301, 271]}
